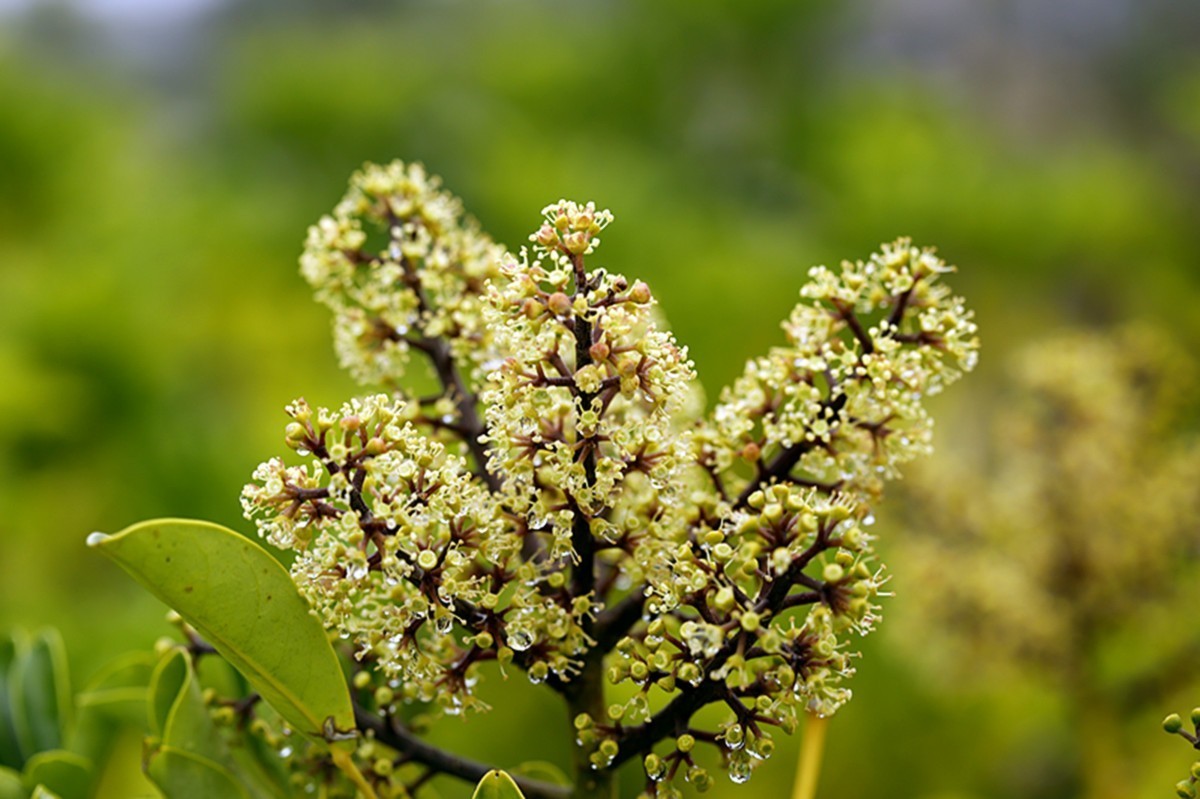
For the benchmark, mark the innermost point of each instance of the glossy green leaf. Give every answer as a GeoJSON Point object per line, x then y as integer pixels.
{"type": "Point", "coordinates": [10, 750]}
{"type": "Point", "coordinates": [11, 784]}
{"type": "Point", "coordinates": [497, 785]}
{"type": "Point", "coordinates": [42, 792]}
{"type": "Point", "coordinates": [40, 694]}
{"type": "Point", "coordinates": [245, 604]}
{"type": "Point", "coordinates": [66, 774]}
{"type": "Point", "coordinates": [185, 775]}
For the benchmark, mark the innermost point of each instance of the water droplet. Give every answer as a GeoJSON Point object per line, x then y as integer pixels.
{"type": "Point", "coordinates": [519, 640]}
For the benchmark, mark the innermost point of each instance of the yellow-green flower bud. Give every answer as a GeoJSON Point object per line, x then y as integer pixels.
{"type": "Point", "coordinates": [724, 599]}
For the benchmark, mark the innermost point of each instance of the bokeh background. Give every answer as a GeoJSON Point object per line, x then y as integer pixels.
{"type": "Point", "coordinates": [161, 159]}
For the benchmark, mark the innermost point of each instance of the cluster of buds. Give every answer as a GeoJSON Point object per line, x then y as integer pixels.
{"type": "Point", "coordinates": [1173, 725]}
{"type": "Point", "coordinates": [564, 507]}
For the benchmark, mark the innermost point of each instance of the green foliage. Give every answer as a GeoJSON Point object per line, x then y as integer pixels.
{"type": "Point", "coordinates": [187, 753]}
{"type": "Point", "coordinates": [51, 739]}
{"type": "Point", "coordinates": [245, 604]}
{"type": "Point", "coordinates": [68, 775]}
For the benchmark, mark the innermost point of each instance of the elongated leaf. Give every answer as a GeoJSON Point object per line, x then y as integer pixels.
{"type": "Point", "coordinates": [11, 784]}
{"type": "Point", "coordinates": [42, 792]}
{"type": "Point", "coordinates": [497, 785]}
{"type": "Point", "coordinates": [10, 751]}
{"type": "Point", "coordinates": [184, 775]}
{"type": "Point", "coordinates": [244, 603]}
{"type": "Point", "coordinates": [67, 775]}
{"type": "Point", "coordinates": [40, 693]}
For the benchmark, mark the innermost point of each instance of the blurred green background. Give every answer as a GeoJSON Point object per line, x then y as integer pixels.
{"type": "Point", "coordinates": [160, 161]}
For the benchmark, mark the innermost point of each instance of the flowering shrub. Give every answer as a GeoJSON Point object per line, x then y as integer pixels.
{"type": "Point", "coordinates": [1087, 483]}
{"type": "Point", "coordinates": [561, 504]}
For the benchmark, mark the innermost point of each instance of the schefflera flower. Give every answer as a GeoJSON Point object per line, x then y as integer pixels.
{"type": "Point", "coordinates": [753, 597]}
{"type": "Point", "coordinates": [395, 541]}
{"type": "Point", "coordinates": [582, 413]}
{"type": "Point", "coordinates": [563, 507]}
{"type": "Point", "coordinates": [403, 269]}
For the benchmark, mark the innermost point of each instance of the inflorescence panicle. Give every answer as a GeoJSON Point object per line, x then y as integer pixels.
{"type": "Point", "coordinates": [563, 507]}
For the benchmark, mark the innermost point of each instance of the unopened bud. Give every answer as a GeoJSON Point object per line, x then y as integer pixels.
{"type": "Point", "coordinates": [559, 303]}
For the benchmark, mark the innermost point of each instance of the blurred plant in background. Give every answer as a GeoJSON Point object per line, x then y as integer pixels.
{"type": "Point", "coordinates": [1064, 545]}
{"type": "Point", "coordinates": [54, 743]}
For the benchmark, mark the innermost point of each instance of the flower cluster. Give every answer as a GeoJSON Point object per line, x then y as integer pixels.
{"type": "Point", "coordinates": [403, 269]}
{"type": "Point", "coordinates": [563, 506]}
{"type": "Point", "coordinates": [1088, 485]}
{"type": "Point", "coordinates": [582, 411]}
{"type": "Point", "coordinates": [1065, 534]}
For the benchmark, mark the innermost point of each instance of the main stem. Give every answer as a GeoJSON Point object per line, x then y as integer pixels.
{"type": "Point", "coordinates": [585, 693]}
